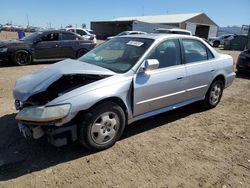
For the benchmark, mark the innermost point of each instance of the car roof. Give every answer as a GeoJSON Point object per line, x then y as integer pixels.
{"type": "Point", "coordinates": [172, 29]}
{"type": "Point", "coordinates": [78, 28]}
{"type": "Point", "coordinates": [136, 31]}
{"type": "Point", "coordinates": [56, 31]}
{"type": "Point", "coordinates": [156, 36]}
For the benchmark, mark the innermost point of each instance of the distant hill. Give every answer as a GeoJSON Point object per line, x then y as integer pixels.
{"type": "Point", "coordinates": [232, 29]}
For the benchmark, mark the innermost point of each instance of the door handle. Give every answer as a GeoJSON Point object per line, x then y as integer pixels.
{"type": "Point", "coordinates": [212, 70]}
{"type": "Point", "coordinates": [179, 78]}
{"type": "Point", "coordinates": [57, 45]}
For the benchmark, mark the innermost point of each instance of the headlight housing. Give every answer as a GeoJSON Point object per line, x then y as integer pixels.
{"type": "Point", "coordinates": [3, 50]}
{"type": "Point", "coordinates": [44, 113]}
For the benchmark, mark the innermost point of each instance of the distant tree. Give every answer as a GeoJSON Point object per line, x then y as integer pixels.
{"type": "Point", "coordinates": [83, 25]}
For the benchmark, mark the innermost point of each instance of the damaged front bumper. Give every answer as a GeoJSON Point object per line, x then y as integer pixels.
{"type": "Point", "coordinates": [57, 136]}
{"type": "Point", "coordinates": [36, 121]}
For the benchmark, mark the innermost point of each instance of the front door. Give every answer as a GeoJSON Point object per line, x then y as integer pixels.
{"type": "Point", "coordinates": [48, 47]}
{"type": "Point", "coordinates": [164, 86]}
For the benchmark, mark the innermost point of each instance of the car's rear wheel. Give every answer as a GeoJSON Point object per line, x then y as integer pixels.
{"type": "Point", "coordinates": [22, 57]}
{"type": "Point", "coordinates": [214, 94]}
{"type": "Point", "coordinates": [102, 126]}
{"type": "Point", "coordinates": [216, 43]}
{"type": "Point", "coordinates": [81, 52]}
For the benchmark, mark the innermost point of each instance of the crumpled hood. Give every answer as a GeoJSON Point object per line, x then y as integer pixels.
{"type": "Point", "coordinates": [39, 81]}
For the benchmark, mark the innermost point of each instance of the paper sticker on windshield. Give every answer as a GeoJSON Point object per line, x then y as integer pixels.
{"type": "Point", "coordinates": [135, 43]}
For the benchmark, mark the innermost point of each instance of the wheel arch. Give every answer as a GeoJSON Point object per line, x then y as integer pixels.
{"type": "Point", "coordinates": [79, 50]}
{"type": "Point", "coordinates": [116, 100]}
{"type": "Point", "coordinates": [220, 77]}
{"type": "Point", "coordinates": [13, 53]}
{"type": "Point", "coordinates": [23, 49]}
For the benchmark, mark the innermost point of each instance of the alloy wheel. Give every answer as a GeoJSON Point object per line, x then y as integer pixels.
{"type": "Point", "coordinates": [105, 128]}
{"type": "Point", "coordinates": [215, 94]}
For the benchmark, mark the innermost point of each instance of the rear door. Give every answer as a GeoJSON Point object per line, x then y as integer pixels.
{"type": "Point", "coordinates": [69, 44]}
{"type": "Point", "coordinates": [164, 86]}
{"type": "Point", "coordinates": [48, 47]}
{"type": "Point", "coordinates": [199, 67]}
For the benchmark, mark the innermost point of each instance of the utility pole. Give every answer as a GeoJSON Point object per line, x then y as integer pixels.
{"type": "Point", "coordinates": [28, 21]}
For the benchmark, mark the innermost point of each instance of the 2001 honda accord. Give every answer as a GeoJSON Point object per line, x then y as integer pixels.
{"type": "Point", "coordinates": [121, 81]}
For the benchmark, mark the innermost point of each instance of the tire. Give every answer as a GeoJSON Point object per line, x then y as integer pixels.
{"type": "Point", "coordinates": [80, 53]}
{"type": "Point", "coordinates": [102, 126]}
{"type": "Point", "coordinates": [214, 94]}
{"type": "Point", "coordinates": [22, 57]}
{"type": "Point", "coordinates": [216, 44]}
{"type": "Point", "coordinates": [239, 71]}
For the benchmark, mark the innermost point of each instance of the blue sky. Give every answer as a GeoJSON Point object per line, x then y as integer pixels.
{"type": "Point", "coordinates": [64, 12]}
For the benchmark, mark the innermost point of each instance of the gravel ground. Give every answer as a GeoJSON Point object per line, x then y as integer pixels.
{"type": "Point", "coordinates": [187, 147]}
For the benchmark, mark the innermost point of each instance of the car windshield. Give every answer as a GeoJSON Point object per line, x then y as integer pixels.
{"type": "Point", "coordinates": [31, 36]}
{"type": "Point", "coordinates": [118, 55]}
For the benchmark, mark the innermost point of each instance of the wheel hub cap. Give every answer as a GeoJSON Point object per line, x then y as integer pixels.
{"type": "Point", "coordinates": [215, 94]}
{"type": "Point", "coordinates": [105, 127]}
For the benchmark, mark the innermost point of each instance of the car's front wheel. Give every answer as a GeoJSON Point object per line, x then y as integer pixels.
{"type": "Point", "coordinates": [214, 94]}
{"type": "Point", "coordinates": [81, 52]}
{"type": "Point", "coordinates": [22, 57]}
{"type": "Point", "coordinates": [102, 126]}
{"type": "Point", "coordinates": [216, 44]}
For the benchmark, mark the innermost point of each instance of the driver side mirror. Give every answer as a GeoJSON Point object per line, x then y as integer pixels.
{"type": "Point", "coordinates": [149, 64]}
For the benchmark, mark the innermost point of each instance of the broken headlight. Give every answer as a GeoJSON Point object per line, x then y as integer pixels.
{"type": "Point", "coordinates": [43, 113]}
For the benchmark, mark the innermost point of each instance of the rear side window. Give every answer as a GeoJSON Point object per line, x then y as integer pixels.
{"type": "Point", "coordinates": [134, 33]}
{"type": "Point", "coordinates": [69, 36]}
{"type": "Point", "coordinates": [81, 32]}
{"type": "Point", "coordinates": [71, 30]}
{"type": "Point", "coordinates": [195, 51]}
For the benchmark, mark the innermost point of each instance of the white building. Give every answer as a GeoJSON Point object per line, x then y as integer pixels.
{"type": "Point", "coordinates": [198, 23]}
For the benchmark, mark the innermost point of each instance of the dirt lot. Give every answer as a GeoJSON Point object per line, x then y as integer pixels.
{"type": "Point", "coordinates": [187, 147]}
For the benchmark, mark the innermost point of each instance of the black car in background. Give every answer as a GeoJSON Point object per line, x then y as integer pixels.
{"type": "Point", "coordinates": [44, 46]}
{"type": "Point", "coordinates": [243, 63]}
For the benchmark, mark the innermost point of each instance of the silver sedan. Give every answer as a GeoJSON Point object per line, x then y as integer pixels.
{"type": "Point", "coordinates": [121, 81]}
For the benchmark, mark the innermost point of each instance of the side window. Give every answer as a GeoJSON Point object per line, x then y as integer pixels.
{"type": "Point", "coordinates": [81, 32]}
{"type": "Point", "coordinates": [194, 51]}
{"type": "Point", "coordinates": [69, 36]}
{"type": "Point", "coordinates": [167, 53]}
{"type": "Point", "coordinates": [133, 33]}
{"type": "Point", "coordinates": [71, 30]}
{"type": "Point", "coordinates": [50, 37]}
